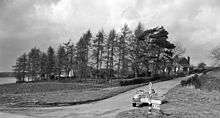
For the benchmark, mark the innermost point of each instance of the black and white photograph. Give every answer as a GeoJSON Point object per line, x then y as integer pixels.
{"type": "Point", "coordinates": [109, 58]}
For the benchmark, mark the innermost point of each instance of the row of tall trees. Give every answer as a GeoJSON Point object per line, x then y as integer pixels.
{"type": "Point", "coordinates": [104, 55]}
{"type": "Point", "coordinates": [35, 64]}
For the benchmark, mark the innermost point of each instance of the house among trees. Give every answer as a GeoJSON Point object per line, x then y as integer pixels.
{"type": "Point", "coordinates": [182, 64]}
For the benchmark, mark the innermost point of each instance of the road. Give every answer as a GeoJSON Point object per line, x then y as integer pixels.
{"type": "Point", "coordinates": [107, 108]}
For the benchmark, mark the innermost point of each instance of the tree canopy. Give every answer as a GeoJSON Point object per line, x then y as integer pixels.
{"type": "Point", "coordinates": [102, 56]}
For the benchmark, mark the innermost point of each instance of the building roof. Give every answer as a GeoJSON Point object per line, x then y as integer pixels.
{"type": "Point", "coordinates": [183, 61]}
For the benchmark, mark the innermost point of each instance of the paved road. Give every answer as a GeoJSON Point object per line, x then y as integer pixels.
{"type": "Point", "coordinates": [107, 108]}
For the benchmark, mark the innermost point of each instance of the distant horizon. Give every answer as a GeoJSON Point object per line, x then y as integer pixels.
{"type": "Point", "coordinates": [6, 71]}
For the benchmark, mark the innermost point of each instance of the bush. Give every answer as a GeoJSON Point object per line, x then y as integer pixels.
{"type": "Point", "coordinates": [198, 71]}
{"type": "Point", "coordinates": [143, 74]}
{"type": "Point", "coordinates": [134, 81]}
{"type": "Point", "coordinates": [141, 80]}
{"type": "Point", "coordinates": [183, 83]}
{"type": "Point", "coordinates": [132, 75]}
{"type": "Point", "coordinates": [20, 81]}
{"type": "Point", "coordinates": [162, 77]}
{"type": "Point", "coordinates": [181, 74]}
{"type": "Point", "coordinates": [194, 80]}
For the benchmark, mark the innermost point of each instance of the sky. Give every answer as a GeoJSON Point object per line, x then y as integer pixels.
{"type": "Point", "coordinates": [39, 23]}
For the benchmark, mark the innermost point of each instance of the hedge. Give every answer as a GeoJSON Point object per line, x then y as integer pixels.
{"type": "Point", "coordinates": [141, 80]}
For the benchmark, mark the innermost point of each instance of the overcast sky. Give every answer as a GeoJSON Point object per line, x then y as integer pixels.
{"type": "Point", "coordinates": [28, 23]}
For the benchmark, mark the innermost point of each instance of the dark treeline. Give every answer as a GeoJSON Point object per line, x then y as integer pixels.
{"type": "Point", "coordinates": [7, 74]}
{"type": "Point", "coordinates": [142, 52]}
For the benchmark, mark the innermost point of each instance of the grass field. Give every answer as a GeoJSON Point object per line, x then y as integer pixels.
{"type": "Point", "coordinates": [23, 88]}
{"type": "Point", "coordinates": [186, 102]}
{"type": "Point", "coordinates": [56, 94]}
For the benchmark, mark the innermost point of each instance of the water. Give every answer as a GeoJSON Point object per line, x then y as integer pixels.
{"type": "Point", "coordinates": [6, 80]}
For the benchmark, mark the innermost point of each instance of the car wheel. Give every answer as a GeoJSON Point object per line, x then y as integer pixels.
{"type": "Point", "coordinates": [134, 104]}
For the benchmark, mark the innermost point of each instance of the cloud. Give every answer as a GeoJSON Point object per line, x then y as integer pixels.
{"type": "Point", "coordinates": [194, 23]}
{"type": "Point", "coordinates": [28, 23]}
{"type": "Point", "coordinates": [20, 31]}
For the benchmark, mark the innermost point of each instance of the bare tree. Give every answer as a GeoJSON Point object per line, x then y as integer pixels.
{"type": "Point", "coordinates": [179, 50]}
{"type": "Point", "coordinates": [70, 57]}
{"type": "Point", "coordinates": [215, 55]}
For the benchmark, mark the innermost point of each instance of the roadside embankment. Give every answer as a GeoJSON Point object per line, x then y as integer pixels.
{"type": "Point", "coordinates": [199, 98]}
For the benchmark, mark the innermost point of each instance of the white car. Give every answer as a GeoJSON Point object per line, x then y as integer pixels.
{"type": "Point", "coordinates": [148, 98]}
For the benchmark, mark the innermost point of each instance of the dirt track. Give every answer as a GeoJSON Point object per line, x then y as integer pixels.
{"type": "Point", "coordinates": [107, 108]}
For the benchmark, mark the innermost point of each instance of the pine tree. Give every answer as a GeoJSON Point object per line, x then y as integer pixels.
{"type": "Point", "coordinates": [34, 64]}
{"type": "Point", "coordinates": [51, 65]}
{"type": "Point", "coordinates": [82, 54]}
{"type": "Point", "coordinates": [20, 69]}
{"type": "Point", "coordinates": [43, 65]}
{"type": "Point", "coordinates": [110, 47]}
{"type": "Point", "coordinates": [123, 48]}
{"type": "Point", "coordinates": [135, 49]}
{"type": "Point", "coordinates": [61, 59]}
{"type": "Point", "coordinates": [156, 48]}
{"type": "Point", "coordinates": [98, 49]}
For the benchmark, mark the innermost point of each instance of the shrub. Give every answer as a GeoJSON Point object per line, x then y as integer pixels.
{"type": "Point", "coordinates": [194, 80]}
{"type": "Point", "coordinates": [132, 75]}
{"type": "Point", "coordinates": [142, 74]}
{"type": "Point", "coordinates": [162, 77]}
{"type": "Point", "coordinates": [20, 81]}
{"type": "Point", "coordinates": [134, 81]}
{"type": "Point", "coordinates": [181, 74]}
{"type": "Point", "coordinates": [183, 83]}
{"type": "Point", "coordinates": [141, 80]}
{"type": "Point", "coordinates": [205, 71]}
{"type": "Point", "coordinates": [156, 77]}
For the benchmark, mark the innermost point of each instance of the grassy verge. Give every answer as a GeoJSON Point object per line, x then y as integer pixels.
{"type": "Point", "coordinates": [191, 102]}
{"type": "Point", "coordinates": [183, 102]}
{"type": "Point", "coordinates": [186, 101]}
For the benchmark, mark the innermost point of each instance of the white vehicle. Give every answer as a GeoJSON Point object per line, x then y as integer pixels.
{"type": "Point", "coordinates": [138, 98]}
{"type": "Point", "coordinates": [147, 97]}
